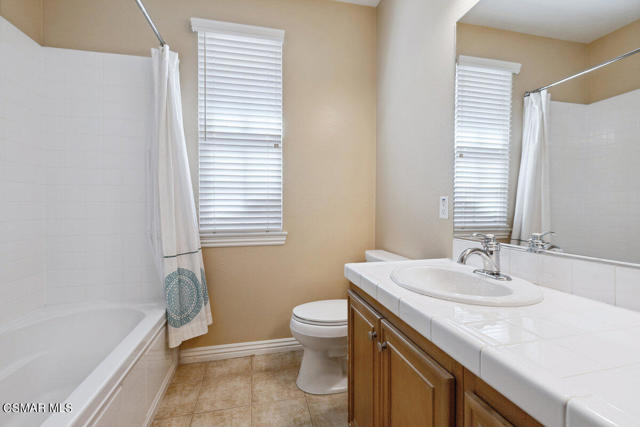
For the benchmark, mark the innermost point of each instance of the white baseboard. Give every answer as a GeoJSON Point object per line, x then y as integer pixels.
{"type": "Point", "coordinates": [228, 351]}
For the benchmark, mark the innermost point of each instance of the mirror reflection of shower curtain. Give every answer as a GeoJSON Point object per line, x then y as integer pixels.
{"type": "Point", "coordinates": [532, 210]}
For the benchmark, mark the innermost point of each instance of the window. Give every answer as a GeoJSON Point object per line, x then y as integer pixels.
{"type": "Point", "coordinates": [240, 133]}
{"type": "Point", "coordinates": [482, 134]}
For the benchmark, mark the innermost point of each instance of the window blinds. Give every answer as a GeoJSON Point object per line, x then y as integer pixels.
{"type": "Point", "coordinates": [482, 135]}
{"type": "Point", "coordinates": [240, 127]}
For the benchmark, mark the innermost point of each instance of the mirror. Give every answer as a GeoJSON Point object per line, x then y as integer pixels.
{"type": "Point", "coordinates": [565, 159]}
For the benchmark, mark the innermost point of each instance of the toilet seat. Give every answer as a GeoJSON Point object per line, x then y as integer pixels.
{"type": "Point", "coordinates": [322, 313]}
{"type": "Point", "coordinates": [318, 331]}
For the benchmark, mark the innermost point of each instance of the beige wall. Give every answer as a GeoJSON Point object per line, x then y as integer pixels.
{"type": "Point", "coordinates": [25, 15]}
{"type": "Point", "coordinates": [622, 76]}
{"type": "Point", "coordinates": [329, 143]}
{"type": "Point", "coordinates": [416, 57]}
{"type": "Point", "coordinates": [543, 60]}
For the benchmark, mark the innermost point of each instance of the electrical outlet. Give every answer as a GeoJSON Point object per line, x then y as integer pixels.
{"type": "Point", "coordinates": [444, 207]}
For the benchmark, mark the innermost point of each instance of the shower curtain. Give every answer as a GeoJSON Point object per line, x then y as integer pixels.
{"type": "Point", "coordinates": [174, 218]}
{"type": "Point", "coordinates": [532, 211]}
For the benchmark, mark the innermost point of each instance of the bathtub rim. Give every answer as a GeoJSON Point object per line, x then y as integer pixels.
{"type": "Point", "coordinates": [95, 390]}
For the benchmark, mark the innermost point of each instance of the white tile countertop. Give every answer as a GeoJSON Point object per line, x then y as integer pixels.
{"type": "Point", "coordinates": [567, 361]}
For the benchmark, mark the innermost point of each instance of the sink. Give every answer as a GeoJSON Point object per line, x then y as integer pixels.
{"type": "Point", "coordinates": [460, 284]}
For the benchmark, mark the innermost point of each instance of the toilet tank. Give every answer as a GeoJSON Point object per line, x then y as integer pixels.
{"type": "Point", "coordinates": [378, 255]}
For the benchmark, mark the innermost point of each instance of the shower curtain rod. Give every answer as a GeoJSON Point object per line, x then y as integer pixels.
{"type": "Point", "coordinates": [581, 73]}
{"type": "Point", "coordinates": [150, 21]}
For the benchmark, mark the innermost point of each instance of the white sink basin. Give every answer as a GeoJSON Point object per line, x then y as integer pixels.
{"type": "Point", "coordinates": [460, 284]}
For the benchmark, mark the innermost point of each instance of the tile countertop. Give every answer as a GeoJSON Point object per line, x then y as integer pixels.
{"type": "Point", "coordinates": [567, 361]}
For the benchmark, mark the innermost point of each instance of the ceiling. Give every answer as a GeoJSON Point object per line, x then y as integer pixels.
{"type": "Point", "coordinates": [574, 20]}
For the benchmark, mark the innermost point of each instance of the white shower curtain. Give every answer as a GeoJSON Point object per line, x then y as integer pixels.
{"type": "Point", "coordinates": [532, 211]}
{"type": "Point", "coordinates": [176, 224]}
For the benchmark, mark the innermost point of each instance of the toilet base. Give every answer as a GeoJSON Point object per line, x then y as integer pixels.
{"type": "Point", "coordinates": [322, 374]}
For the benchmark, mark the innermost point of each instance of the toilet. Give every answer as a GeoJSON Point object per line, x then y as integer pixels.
{"type": "Point", "coordinates": [321, 328]}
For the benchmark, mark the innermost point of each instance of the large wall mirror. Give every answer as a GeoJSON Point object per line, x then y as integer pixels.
{"type": "Point", "coordinates": [566, 158]}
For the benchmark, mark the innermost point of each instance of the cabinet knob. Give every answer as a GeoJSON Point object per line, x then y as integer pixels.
{"type": "Point", "coordinates": [372, 335]}
{"type": "Point", "coordinates": [382, 345]}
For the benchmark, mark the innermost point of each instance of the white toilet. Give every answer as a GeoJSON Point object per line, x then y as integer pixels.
{"type": "Point", "coordinates": [321, 328]}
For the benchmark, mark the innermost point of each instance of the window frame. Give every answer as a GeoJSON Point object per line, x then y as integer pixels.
{"type": "Point", "coordinates": [210, 238]}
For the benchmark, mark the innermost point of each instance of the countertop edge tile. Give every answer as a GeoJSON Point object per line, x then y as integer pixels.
{"type": "Point", "coordinates": [457, 342]}
{"type": "Point", "coordinates": [593, 411]}
{"type": "Point", "coordinates": [539, 394]}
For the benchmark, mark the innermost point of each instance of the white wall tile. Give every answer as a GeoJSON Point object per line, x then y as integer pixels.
{"type": "Point", "coordinates": [554, 272]}
{"type": "Point", "coordinates": [524, 265]}
{"type": "Point", "coordinates": [628, 288]}
{"type": "Point", "coordinates": [72, 181]}
{"type": "Point", "coordinates": [593, 280]}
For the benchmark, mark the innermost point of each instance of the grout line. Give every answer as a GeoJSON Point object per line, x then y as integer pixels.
{"type": "Point", "coordinates": [308, 409]}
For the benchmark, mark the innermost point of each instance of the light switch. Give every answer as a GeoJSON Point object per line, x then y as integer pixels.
{"type": "Point", "coordinates": [444, 207]}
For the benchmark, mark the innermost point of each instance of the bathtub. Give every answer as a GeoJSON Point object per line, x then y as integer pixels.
{"type": "Point", "coordinates": [90, 364]}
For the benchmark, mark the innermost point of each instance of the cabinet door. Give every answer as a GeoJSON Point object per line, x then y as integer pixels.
{"type": "Point", "coordinates": [416, 390]}
{"type": "Point", "coordinates": [478, 414]}
{"type": "Point", "coordinates": [364, 329]}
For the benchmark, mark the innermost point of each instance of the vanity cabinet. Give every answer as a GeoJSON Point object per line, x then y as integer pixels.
{"type": "Point", "coordinates": [398, 378]}
{"type": "Point", "coordinates": [477, 413]}
{"type": "Point", "coordinates": [364, 328]}
{"type": "Point", "coordinates": [414, 389]}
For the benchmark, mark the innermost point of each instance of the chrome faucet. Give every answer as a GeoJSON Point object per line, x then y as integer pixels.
{"type": "Point", "coordinates": [490, 254]}
{"type": "Point", "coordinates": [537, 242]}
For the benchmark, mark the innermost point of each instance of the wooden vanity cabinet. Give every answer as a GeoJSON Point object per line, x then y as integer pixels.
{"type": "Point", "coordinates": [398, 378]}
{"type": "Point", "coordinates": [415, 390]}
{"type": "Point", "coordinates": [477, 413]}
{"type": "Point", "coordinates": [364, 363]}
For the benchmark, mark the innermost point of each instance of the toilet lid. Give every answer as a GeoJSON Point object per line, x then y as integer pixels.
{"type": "Point", "coordinates": [327, 312]}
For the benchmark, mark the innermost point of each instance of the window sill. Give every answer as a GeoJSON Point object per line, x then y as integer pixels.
{"type": "Point", "coordinates": [221, 240]}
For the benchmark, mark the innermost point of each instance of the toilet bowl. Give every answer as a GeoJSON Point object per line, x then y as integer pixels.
{"type": "Point", "coordinates": [321, 328]}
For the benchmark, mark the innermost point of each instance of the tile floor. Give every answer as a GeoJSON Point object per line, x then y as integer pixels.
{"type": "Point", "coordinates": [248, 391]}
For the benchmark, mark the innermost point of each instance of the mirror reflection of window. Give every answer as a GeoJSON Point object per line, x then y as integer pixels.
{"type": "Point", "coordinates": [482, 144]}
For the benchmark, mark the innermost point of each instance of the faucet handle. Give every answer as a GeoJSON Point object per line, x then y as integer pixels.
{"type": "Point", "coordinates": [537, 242]}
{"type": "Point", "coordinates": [487, 239]}
{"type": "Point", "coordinates": [539, 236]}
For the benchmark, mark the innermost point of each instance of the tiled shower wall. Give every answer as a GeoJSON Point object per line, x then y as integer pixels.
{"type": "Point", "coordinates": [614, 284]}
{"type": "Point", "coordinates": [595, 190]}
{"type": "Point", "coordinates": [22, 176]}
{"type": "Point", "coordinates": [73, 132]}
{"type": "Point", "coordinates": [97, 107]}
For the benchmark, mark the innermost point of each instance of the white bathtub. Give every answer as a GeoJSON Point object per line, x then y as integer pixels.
{"type": "Point", "coordinates": [94, 357]}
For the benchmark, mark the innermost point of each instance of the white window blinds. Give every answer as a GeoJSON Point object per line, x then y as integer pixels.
{"type": "Point", "coordinates": [240, 128]}
{"type": "Point", "coordinates": [482, 135]}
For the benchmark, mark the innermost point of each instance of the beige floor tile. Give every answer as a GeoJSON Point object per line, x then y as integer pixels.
{"type": "Point", "coordinates": [182, 421]}
{"type": "Point", "coordinates": [284, 413]}
{"type": "Point", "coordinates": [329, 410]}
{"type": "Point", "coordinates": [224, 392]}
{"type": "Point", "coordinates": [180, 399]}
{"type": "Point", "coordinates": [277, 361]}
{"type": "Point", "coordinates": [270, 386]}
{"type": "Point", "coordinates": [226, 367]}
{"type": "Point", "coordinates": [236, 417]}
{"type": "Point", "coordinates": [191, 373]}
